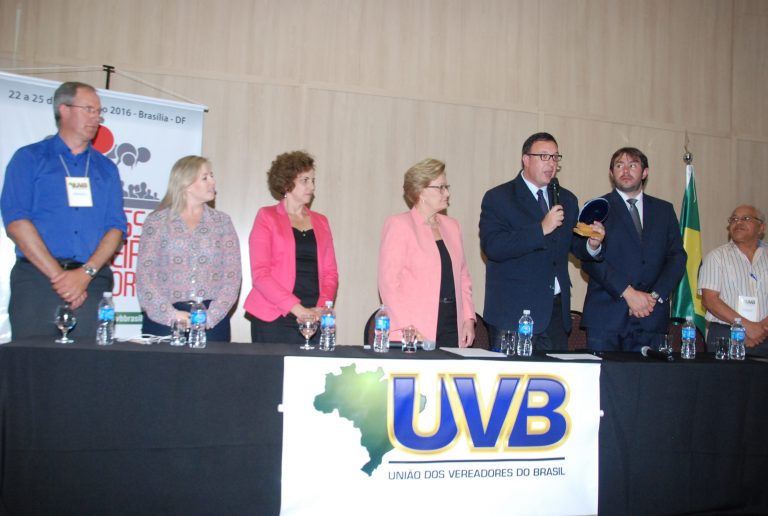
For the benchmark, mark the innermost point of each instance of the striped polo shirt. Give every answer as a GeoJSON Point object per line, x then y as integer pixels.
{"type": "Point", "coordinates": [728, 271]}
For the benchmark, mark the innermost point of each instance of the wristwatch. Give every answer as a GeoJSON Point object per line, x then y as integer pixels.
{"type": "Point", "coordinates": [90, 270]}
{"type": "Point", "coordinates": [655, 295]}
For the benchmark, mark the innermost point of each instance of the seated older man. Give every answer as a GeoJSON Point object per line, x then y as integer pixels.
{"type": "Point", "coordinates": [733, 282]}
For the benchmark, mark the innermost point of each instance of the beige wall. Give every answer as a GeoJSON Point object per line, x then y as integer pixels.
{"type": "Point", "coordinates": [371, 86]}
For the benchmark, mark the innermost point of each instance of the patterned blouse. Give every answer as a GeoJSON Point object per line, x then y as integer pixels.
{"type": "Point", "coordinates": [177, 264]}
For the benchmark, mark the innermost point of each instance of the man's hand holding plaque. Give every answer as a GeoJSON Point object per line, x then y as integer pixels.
{"type": "Point", "coordinates": [594, 212]}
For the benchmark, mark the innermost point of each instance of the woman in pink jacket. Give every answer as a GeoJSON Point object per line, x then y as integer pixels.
{"type": "Point", "coordinates": [293, 264]}
{"type": "Point", "coordinates": [423, 275]}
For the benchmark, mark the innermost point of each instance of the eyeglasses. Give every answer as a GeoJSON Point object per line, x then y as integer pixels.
{"type": "Point", "coordinates": [745, 218]}
{"type": "Point", "coordinates": [546, 157]}
{"type": "Point", "coordinates": [442, 188]}
{"type": "Point", "coordinates": [88, 109]}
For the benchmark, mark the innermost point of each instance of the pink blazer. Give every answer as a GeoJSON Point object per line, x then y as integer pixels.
{"type": "Point", "coordinates": [409, 273]}
{"type": "Point", "coordinates": [273, 263]}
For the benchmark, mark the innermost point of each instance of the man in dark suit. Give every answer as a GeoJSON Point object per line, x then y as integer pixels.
{"type": "Point", "coordinates": [526, 236]}
{"type": "Point", "coordinates": [627, 303]}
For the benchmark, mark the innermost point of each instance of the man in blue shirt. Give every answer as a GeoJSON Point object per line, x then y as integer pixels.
{"type": "Point", "coordinates": [62, 204]}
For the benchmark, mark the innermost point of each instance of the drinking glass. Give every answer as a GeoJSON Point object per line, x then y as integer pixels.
{"type": "Point", "coordinates": [307, 328]}
{"type": "Point", "coordinates": [65, 320]}
{"type": "Point", "coordinates": [179, 332]}
{"type": "Point", "coordinates": [508, 342]}
{"type": "Point", "coordinates": [505, 341]}
{"type": "Point", "coordinates": [409, 339]}
{"type": "Point", "coordinates": [666, 344]}
{"type": "Point", "coordinates": [722, 344]}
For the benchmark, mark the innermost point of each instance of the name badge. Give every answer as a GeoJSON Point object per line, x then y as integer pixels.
{"type": "Point", "coordinates": [79, 192]}
{"type": "Point", "coordinates": [748, 308]}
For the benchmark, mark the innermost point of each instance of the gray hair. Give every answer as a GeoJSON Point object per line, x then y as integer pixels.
{"type": "Point", "coordinates": [65, 95]}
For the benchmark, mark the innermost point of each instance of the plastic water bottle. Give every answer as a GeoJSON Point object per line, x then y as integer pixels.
{"type": "Point", "coordinates": [381, 331]}
{"type": "Point", "coordinates": [198, 318]}
{"type": "Point", "coordinates": [737, 351]}
{"type": "Point", "coordinates": [525, 335]}
{"type": "Point", "coordinates": [105, 331]}
{"type": "Point", "coordinates": [328, 327]}
{"type": "Point", "coordinates": [688, 342]}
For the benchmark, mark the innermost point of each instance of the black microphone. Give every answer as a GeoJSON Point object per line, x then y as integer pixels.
{"type": "Point", "coordinates": [554, 185]}
{"type": "Point", "coordinates": [649, 352]}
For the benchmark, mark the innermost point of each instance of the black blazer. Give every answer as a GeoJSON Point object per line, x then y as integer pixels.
{"type": "Point", "coordinates": [521, 262]}
{"type": "Point", "coordinates": [654, 264]}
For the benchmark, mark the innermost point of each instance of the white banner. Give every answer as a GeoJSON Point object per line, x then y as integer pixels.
{"type": "Point", "coordinates": [370, 436]}
{"type": "Point", "coordinates": [144, 137]}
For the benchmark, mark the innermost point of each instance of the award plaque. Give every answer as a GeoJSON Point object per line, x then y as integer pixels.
{"type": "Point", "coordinates": [593, 210]}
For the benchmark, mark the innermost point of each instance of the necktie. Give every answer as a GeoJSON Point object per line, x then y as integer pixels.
{"type": "Point", "coordinates": [542, 202]}
{"type": "Point", "coordinates": [635, 216]}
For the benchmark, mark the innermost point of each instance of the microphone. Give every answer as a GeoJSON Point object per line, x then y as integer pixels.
{"type": "Point", "coordinates": [554, 185]}
{"type": "Point", "coordinates": [649, 352]}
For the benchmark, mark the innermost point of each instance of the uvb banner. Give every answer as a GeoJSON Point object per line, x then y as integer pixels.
{"type": "Point", "coordinates": [446, 437]}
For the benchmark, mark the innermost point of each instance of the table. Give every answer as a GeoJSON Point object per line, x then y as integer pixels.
{"type": "Point", "coordinates": [133, 429]}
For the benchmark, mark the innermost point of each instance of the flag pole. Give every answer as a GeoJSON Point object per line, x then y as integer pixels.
{"type": "Point", "coordinates": [686, 300]}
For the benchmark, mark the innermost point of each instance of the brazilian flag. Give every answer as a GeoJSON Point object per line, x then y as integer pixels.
{"type": "Point", "coordinates": [686, 301]}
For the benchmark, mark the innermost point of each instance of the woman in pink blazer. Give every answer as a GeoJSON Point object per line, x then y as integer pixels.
{"type": "Point", "coordinates": [423, 275]}
{"type": "Point", "coordinates": [293, 264]}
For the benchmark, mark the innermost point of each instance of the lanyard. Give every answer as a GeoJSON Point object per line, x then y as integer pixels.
{"type": "Point", "coordinates": [66, 169]}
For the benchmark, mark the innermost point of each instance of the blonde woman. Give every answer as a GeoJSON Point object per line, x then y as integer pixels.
{"type": "Point", "coordinates": [188, 250]}
{"type": "Point", "coordinates": [423, 274]}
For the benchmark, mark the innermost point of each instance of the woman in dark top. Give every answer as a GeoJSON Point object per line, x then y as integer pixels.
{"type": "Point", "coordinates": [423, 276]}
{"type": "Point", "coordinates": [293, 264]}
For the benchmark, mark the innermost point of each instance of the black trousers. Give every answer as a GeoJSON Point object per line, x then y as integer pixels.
{"type": "Point", "coordinates": [222, 332]}
{"type": "Point", "coordinates": [283, 330]}
{"type": "Point", "coordinates": [33, 303]}
{"type": "Point", "coordinates": [552, 338]}
{"type": "Point", "coordinates": [447, 326]}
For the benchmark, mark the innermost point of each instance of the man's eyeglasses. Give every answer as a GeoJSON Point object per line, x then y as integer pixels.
{"type": "Point", "coordinates": [546, 157]}
{"type": "Point", "coordinates": [88, 109]}
{"type": "Point", "coordinates": [442, 188]}
{"type": "Point", "coordinates": [745, 218]}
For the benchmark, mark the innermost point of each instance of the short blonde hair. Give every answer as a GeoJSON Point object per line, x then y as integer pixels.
{"type": "Point", "coordinates": [418, 177]}
{"type": "Point", "coordinates": [183, 174]}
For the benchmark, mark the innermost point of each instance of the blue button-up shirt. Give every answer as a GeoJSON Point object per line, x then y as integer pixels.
{"type": "Point", "coordinates": [35, 190]}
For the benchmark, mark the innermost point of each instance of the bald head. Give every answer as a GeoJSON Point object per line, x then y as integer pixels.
{"type": "Point", "coordinates": [746, 225]}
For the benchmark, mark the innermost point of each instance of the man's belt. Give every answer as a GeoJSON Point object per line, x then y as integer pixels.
{"type": "Point", "coordinates": [66, 263]}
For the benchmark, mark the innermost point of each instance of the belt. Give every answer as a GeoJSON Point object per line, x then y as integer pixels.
{"type": "Point", "coordinates": [447, 300]}
{"type": "Point", "coordinates": [66, 263]}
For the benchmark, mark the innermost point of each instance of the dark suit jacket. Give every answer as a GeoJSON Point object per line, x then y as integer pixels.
{"type": "Point", "coordinates": [521, 262]}
{"type": "Point", "coordinates": [655, 264]}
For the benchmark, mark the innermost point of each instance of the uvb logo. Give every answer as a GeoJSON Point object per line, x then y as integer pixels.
{"type": "Point", "coordinates": [522, 412]}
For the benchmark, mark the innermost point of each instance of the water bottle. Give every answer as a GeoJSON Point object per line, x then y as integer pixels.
{"type": "Point", "coordinates": [105, 331]}
{"type": "Point", "coordinates": [381, 331]}
{"type": "Point", "coordinates": [525, 335]}
{"type": "Point", "coordinates": [198, 317]}
{"type": "Point", "coordinates": [737, 351]}
{"type": "Point", "coordinates": [688, 342]}
{"type": "Point", "coordinates": [328, 327]}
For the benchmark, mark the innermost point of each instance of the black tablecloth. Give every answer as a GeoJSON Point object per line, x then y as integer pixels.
{"type": "Point", "coordinates": [136, 429]}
